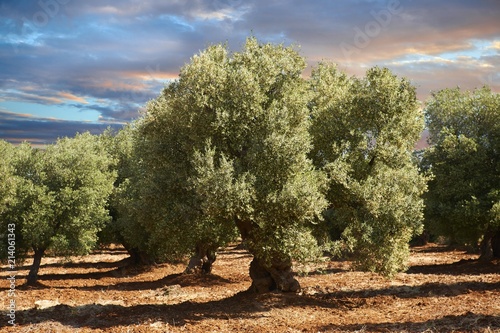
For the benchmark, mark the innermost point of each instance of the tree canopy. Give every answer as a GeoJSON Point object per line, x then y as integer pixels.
{"type": "Point", "coordinates": [226, 147]}
{"type": "Point", "coordinates": [7, 179]}
{"type": "Point", "coordinates": [364, 132]}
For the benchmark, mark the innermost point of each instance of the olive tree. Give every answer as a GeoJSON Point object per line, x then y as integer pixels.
{"type": "Point", "coordinates": [364, 131]}
{"type": "Point", "coordinates": [9, 182]}
{"type": "Point", "coordinates": [463, 201]}
{"type": "Point", "coordinates": [7, 179]}
{"type": "Point", "coordinates": [123, 228]}
{"type": "Point", "coordinates": [61, 197]}
{"type": "Point", "coordinates": [226, 148]}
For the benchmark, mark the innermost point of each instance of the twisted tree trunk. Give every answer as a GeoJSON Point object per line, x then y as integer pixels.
{"type": "Point", "coordinates": [277, 275]}
{"type": "Point", "coordinates": [490, 245]}
{"type": "Point", "coordinates": [495, 244]}
{"type": "Point", "coordinates": [203, 259]}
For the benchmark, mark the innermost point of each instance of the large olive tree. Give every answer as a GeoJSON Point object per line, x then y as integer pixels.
{"type": "Point", "coordinates": [226, 148]}
{"type": "Point", "coordinates": [364, 131]}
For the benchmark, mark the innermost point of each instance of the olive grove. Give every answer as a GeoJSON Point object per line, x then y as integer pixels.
{"type": "Point", "coordinates": [245, 146]}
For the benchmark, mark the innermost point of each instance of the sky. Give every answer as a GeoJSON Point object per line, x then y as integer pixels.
{"type": "Point", "coordinates": [69, 66]}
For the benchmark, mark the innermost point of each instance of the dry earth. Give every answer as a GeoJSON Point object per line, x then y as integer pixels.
{"type": "Point", "coordinates": [443, 291]}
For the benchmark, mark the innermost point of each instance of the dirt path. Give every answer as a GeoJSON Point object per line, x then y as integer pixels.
{"type": "Point", "coordinates": [443, 291]}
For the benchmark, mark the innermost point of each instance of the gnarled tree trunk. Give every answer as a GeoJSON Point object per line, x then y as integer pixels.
{"type": "Point", "coordinates": [137, 256]}
{"type": "Point", "coordinates": [203, 259]}
{"type": "Point", "coordinates": [277, 275]}
{"type": "Point", "coordinates": [495, 244]}
{"type": "Point", "coordinates": [490, 245]}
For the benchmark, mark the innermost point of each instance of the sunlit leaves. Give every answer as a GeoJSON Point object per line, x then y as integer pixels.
{"type": "Point", "coordinates": [228, 142]}
{"type": "Point", "coordinates": [364, 131]}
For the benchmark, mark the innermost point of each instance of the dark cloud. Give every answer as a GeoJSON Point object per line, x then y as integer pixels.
{"type": "Point", "coordinates": [122, 112]}
{"type": "Point", "coordinates": [16, 128]}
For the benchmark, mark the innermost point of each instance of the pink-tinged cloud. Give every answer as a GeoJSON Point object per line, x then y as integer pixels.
{"type": "Point", "coordinates": [71, 97]}
{"type": "Point", "coordinates": [112, 57]}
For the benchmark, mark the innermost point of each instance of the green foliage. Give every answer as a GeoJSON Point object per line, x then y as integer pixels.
{"type": "Point", "coordinates": [464, 159]}
{"type": "Point", "coordinates": [7, 179]}
{"type": "Point", "coordinates": [9, 184]}
{"type": "Point", "coordinates": [123, 227]}
{"type": "Point", "coordinates": [226, 144]}
{"type": "Point", "coordinates": [241, 142]}
{"type": "Point", "coordinates": [61, 195]}
{"type": "Point", "coordinates": [364, 131]}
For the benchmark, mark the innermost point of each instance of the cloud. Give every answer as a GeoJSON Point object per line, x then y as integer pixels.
{"type": "Point", "coordinates": [112, 57]}
{"type": "Point", "coordinates": [16, 128]}
{"type": "Point", "coordinates": [69, 96]}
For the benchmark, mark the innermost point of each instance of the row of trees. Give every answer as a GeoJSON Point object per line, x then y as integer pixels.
{"type": "Point", "coordinates": [242, 145]}
{"type": "Point", "coordinates": [54, 199]}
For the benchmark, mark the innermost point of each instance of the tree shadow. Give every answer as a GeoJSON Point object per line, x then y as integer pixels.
{"type": "Point", "coordinates": [469, 321]}
{"type": "Point", "coordinates": [437, 248]}
{"type": "Point", "coordinates": [247, 305]}
{"type": "Point", "coordinates": [462, 267]}
{"type": "Point", "coordinates": [117, 273]}
{"type": "Point", "coordinates": [112, 273]}
{"type": "Point", "coordinates": [432, 289]}
{"type": "Point", "coordinates": [87, 265]}
{"type": "Point", "coordinates": [183, 280]}
{"type": "Point", "coordinates": [326, 271]}
{"type": "Point", "coordinates": [97, 316]}
{"type": "Point", "coordinates": [83, 265]}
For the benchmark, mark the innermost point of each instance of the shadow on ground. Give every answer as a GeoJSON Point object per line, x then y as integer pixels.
{"type": "Point", "coordinates": [462, 267]}
{"type": "Point", "coordinates": [247, 305]}
{"type": "Point", "coordinates": [468, 322]}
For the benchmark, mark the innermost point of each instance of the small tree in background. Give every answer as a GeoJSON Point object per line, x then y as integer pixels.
{"type": "Point", "coordinates": [364, 132]}
{"type": "Point", "coordinates": [7, 178]}
{"type": "Point", "coordinates": [226, 147]}
{"type": "Point", "coordinates": [9, 184]}
{"type": "Point", "coordinates": [463, 201]}
{"type": "Point", "coordinates": [61, 197]}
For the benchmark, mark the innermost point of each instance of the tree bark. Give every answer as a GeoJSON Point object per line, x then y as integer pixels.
{"type": "Point", "coordinates": [486, 246]}
{"type": "Point", "coordinates": [35, 267]}
{"type": "Point", "coordinates": [202, 260]}
{"type": "Point", "coordinates": [420, 240]}
{"type": "Point", "coordinates": [276, 276]}
{"type": "Point", "coordinates": [279, 276]}
{"type": "Point", "coordinates": [137, 257]}
{"type": "Point", "coordinates": [495, 244]}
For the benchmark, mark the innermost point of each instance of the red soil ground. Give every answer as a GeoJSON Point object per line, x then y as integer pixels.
{"type": "Point", "coordinates": [443, 291]}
